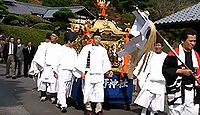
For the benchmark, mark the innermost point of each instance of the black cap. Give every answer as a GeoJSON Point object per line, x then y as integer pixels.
{"type": "Point", "coordinates": [70, 36]}
{"type": "Point", "coordinates": [56, 32]}
{"type": "Point", "coordinates": [48, 34]}
{"type": "Point", "coordinates": [160, 40]}
{"type": "Point", "coordinates": [97, 33]}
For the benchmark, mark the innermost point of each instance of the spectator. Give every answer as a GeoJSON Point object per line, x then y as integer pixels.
{"type": "Point", "coordinates": [19, 57]}
{"type": "Point", "coordinates": [29, 52]}
{"type": "Point", "coordinates": [9, 53]}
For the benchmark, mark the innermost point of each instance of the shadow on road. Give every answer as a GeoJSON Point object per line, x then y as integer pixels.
{"type": "Point", "coordinates": [10, 92]}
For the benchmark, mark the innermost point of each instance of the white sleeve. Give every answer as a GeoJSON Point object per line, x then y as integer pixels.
{"type": "Point", "coordinates": [106, 63]}
{"type": "Point", "coordinates": [57, 57]}
{"type": "Point", "coordinates": [82, 60]}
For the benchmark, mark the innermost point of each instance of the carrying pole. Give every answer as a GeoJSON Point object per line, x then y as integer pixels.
{"type": "Point", "coordinates": [176, 55]}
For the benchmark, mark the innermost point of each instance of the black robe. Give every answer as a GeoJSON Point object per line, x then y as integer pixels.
{"type": "Point", "coordinates": [175, 83]}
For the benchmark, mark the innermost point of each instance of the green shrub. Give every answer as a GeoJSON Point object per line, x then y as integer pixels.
{"type": "Point", "coordinates": [9, 18]}
{"type": "Point", "coordinates": [12, 19]}
{"type": "Point", "coordinates": [61, 25]}
{"type": "Point", "coordinates": [32, 19]}
{"type": "Point", "coordinates": [43, 26]}
{"type": "Point", "coordinates": [22, 20]}
{"type": "Point", "coordinates": [26, 33]}
{"type": "Point", "coordinates": [3, 7]}
{"type": "Point", "coordinates": [15, 22]}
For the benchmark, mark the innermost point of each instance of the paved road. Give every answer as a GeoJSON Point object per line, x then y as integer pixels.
{"type": "Point", "coordinates": [17, 97]}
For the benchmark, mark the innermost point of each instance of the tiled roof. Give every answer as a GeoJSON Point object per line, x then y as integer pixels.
{"type": "Point", "coordinates": [9, 1]}
{"type": "Point", "coordinates": [190, 14]}
{"type": "Point", "coordinates": [74, 9]}
{"type": "Point", "coordinates": [47, 12]}
{"type": "Point", "coordinates": [26, 8]}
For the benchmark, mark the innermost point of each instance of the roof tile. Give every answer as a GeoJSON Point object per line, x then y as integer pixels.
{"type": "Point", "coordinates": [186, 15]}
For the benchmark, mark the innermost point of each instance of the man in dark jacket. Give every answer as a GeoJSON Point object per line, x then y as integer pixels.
{"type": "Point", "coordinates": [9, 54]}
{"type": "Point", "coordinates": [29, 52]}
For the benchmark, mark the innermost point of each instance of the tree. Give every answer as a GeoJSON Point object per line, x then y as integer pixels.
{"type": "Point", "coordinates": [61, 18]}
{"type": "Point", "coordinates": [3, 9]}
{"type": "Point", "coordinates": [39, 2]}
{"type": "Point", "coordinates": [161, 8]}
{"type": "Point", "coordinates": [128, 5]}
{"type": "Point", "coordinates": [57, 3]}
{"type": "Point", "coordinates": [27, 1]}
{"type": "Point", "coordinates": [63, 14]}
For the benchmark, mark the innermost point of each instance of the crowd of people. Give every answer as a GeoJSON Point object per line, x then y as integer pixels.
{"type": "Point", "coordinates": [57, 66]}
{"type": "Point", "coordinates": [17, 56]}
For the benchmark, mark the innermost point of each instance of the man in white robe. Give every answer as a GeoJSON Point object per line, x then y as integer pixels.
{"type": "Point", "coordinates": [37, 64]}
{"type": "Point", "coordinates": [49, 75]}
{"type": "Point", "coordinates": [66, 68]}
{"type": "Point", "coordinates": [93, 62]}
{"type": "Point", "coordinates": [151, 81]}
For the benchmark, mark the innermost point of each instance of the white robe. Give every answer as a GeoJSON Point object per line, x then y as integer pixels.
{"type": "Point", "coordinates": [39, 59]}
{"type": "Point", "coordinates": [99, 64]}
{"type": "Point", "coordinates": [51, 60]}
{"type": "Point", "coordinates": [51, 64]}
{"type": "Point", "coordinates": [152, 83]}
{"type": "Point", "coordinates": [67, 63]}
{"type": "Point", "coordinates": [99, 61]}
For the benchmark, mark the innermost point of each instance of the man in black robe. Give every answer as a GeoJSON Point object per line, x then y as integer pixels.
{"type": "Point", "coordinates": [180, 82]}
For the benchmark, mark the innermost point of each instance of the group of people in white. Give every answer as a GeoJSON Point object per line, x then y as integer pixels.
{"type": "Point", "coordinates": [56, 66]}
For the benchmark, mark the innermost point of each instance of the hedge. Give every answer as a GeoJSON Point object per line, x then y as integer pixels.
{"type": "Point", "coordinates": [26, 33]}
{"type": "Point", "coordinates": [43, 26]}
